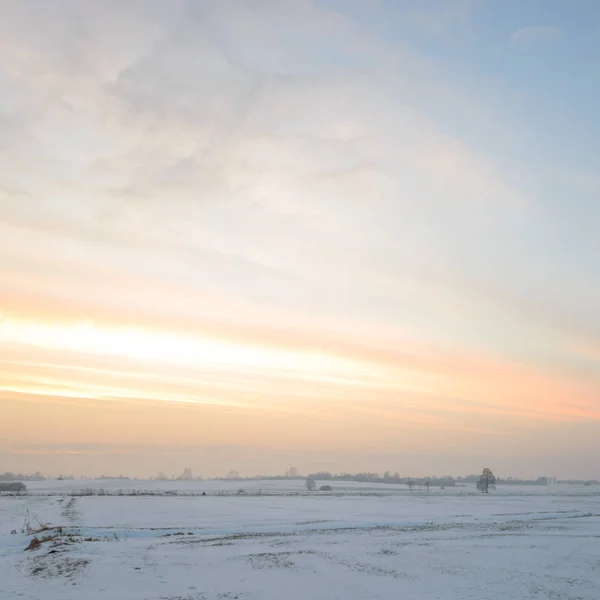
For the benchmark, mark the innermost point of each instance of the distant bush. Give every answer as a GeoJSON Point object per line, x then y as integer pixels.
{"type": "Point", "coordinates": [16, 487]}
{"type": "Point", "coordinates": [325, 488]}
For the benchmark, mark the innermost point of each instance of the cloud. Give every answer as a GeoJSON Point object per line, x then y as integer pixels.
{"type": "Point", "coordinates": [535, 33]}
{"type": "Point", "coordinates": [280, 178]}
{"type": "Point", "coordinates": [189, 152]}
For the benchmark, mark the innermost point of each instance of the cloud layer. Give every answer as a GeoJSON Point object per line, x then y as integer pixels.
{"type": "Point", "coordinates": [290, 213]}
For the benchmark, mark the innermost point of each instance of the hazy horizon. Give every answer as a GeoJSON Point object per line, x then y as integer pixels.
{"type": "Point", "coordinates": [335, 234]}
{"type": "Point", "coordinates": [233, 474]}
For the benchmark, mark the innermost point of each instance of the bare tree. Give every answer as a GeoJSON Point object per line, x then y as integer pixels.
{"type": "Point", "coordinates": [427, 484]}
{"type": "Point", "coordinates": [310, 484]}
{"type": "Point", "coordinates": [486, 481]}
{"type": "Point", "coordinates": [411, 484]}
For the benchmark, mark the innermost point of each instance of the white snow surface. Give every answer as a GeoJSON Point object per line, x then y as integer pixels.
{"type": "Point", "coordinates": [359, 542]}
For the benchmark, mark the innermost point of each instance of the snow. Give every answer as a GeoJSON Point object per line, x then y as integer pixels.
{"type": "Point", "coordinates": [361, 541]}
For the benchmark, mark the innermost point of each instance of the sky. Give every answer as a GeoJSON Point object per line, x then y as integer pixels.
{"type": "Point", "coordinates": [334, 234]}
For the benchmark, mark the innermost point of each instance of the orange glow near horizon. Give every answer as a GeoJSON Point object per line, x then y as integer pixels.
{"type": "Point", "coordinates": [339, 396]}
{"type": "Point", "coordinates": [153, 347]}
{"type": "Point", "coordinates": [179, 367]}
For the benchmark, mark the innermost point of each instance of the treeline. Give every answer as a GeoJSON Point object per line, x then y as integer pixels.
{"type": "Point", "coordinates": [579, 481]}
{"type": "Point", "coordinates": [444, 481]}
{"type": "Point", "coordinates": [20, 477]}
{"type": "Point", "coordinates": [387, 477]}
{"type": "Point", "coordinates": [512, 480]}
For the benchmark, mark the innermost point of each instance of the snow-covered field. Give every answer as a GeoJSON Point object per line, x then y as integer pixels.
{"type": "Point", "coordinates": [359, 542]}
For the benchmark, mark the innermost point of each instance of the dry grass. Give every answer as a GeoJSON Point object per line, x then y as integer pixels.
{"type": "Point", "coordinates": [36, 542]}
{"type": "Point", "coordinates": [48, 567]}
{"type": "Point", "coordinates": [33, 525]}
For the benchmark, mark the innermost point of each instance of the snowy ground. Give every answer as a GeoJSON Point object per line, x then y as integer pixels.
{"type": "Point", "coordinates": [362, 542]}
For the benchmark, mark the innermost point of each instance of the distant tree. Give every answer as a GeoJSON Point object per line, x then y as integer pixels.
{"type": "Point", "coordinates": [411, 484]}
{"type": "Point", "coordinates": [427, 484]}
{"type": "Point", "coordinates": [292, 472]}
{"type": "Point", "coordinates": [486, 481]}
{"type": "Point", "coordinates": [310, 484]}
